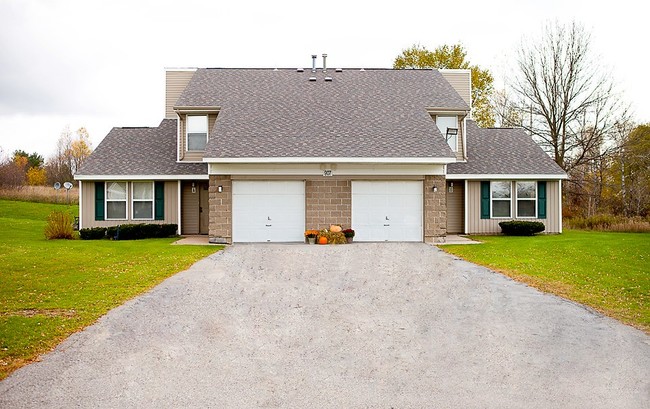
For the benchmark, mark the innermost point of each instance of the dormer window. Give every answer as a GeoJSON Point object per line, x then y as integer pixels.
{"type": "Point", "coordinates": [197, 132]}
{"type": "Point", "coordinates": [448, 126]}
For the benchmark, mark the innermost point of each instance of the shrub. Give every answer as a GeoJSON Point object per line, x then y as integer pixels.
{"type": "Point", "coordinates": [59, 226]}
{"type": "Point", "coordinates": [521, 228]}
{"type": "Point", "coordinates": [94, 233]}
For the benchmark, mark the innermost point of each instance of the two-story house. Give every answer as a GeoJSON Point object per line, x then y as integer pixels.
{"type": "Point", "coordinates": [260, 155]}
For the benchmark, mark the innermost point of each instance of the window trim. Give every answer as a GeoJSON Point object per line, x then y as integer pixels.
{"type": "Point", "coordinates": [453, 148]}
{"type": "Point", "coordinates": [492, 199]}
{"type": "Point", "coordinates": [534, 200]}
{"type": "Point", "coordinates": [187, 134]}
{"type": "Point", "coordinates": [152, 200]}
{"type": "Point", "coordinates": [125, 200]}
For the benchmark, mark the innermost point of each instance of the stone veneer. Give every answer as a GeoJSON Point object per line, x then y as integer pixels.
{"type": "Point", "coordinates": [220, 230]}
{"type": "Point", "coordinates": [435, 209]}
{"type": "Point", "coordinates": [328, 202]}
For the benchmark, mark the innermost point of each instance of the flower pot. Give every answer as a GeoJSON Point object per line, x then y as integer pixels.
{"type": "Point", "coordinates": [349, 239]}
{"type": "Point", "coordinates": [312, 240]}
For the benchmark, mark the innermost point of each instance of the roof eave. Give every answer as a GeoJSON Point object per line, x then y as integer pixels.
{"type": "Point", "coordinates": [427, 160]}
{"type": "Point", "coordinates": [503, 176]}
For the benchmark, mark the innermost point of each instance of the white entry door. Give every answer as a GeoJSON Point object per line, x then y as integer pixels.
{"type": "Point", "coordinates": [268, 211]}
{"type": "Point", "coordinates": [387, 210]}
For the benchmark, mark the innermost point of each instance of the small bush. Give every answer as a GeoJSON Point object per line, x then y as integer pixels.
{"type": "Point", "coordinates": [521, 228]}
{"type": "Point", "coordinates": [94, 233]}
{"type": "Point", "coordinates": [59, 226]}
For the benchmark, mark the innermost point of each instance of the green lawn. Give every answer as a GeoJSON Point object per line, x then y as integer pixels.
{"type": "Point", "coordinates": [609, 272]}
{"type": "Point", "coordinates": [51, 289]}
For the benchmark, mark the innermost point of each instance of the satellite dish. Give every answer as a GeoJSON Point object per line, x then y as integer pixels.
{"type": "Point", "coordinates": [57, 185]}
{"type": "Point", "coordinates": [67, 185]}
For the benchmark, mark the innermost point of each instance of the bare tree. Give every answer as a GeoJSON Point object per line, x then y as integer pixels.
{"type": "Point", "coordinates": [571, 101]}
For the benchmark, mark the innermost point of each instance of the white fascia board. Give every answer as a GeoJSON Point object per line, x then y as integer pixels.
{"type": "Point", "coordinates": [506, 177]}
{"type": "Point", "coordinates": [280, 160]}
{"type": "Point", "coordinates": [196, 109]}
{"type": "Point", "coordinates": [446, 110]}
{"type": "Point", "coordinates": [181, 68]}
{"type": "Point", "coordinates": [142, 177]}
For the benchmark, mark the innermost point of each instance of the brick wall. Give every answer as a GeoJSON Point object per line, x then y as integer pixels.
{"type": "Point", "coordinates": [328, 201]}
{"type": "Point", "coordinates": [435, 209]}
{"type": "Point", "coordinates": [220, 229]}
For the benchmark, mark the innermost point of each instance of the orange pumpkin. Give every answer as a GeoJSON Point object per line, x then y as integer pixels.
{"type": "Point", "coordinates": [335, 229]}
{"type": "Point", "coordinates": [322, 240]}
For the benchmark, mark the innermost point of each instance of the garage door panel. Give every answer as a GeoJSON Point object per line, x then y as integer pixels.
{"type": "Point", "coordinates": [387, 210]}
{"type": "Point", "coordinates": [268, 211]}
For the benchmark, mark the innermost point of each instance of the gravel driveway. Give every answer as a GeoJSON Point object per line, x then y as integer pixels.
{"type": "Point", "coordinates": [357, 326]}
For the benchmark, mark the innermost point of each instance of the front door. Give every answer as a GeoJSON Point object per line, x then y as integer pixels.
{"type": "Point", "coordinates": [204, 208]}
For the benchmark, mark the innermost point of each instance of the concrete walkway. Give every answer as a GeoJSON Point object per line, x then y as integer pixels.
{"type": "Point", "coordinates": [370, 325]}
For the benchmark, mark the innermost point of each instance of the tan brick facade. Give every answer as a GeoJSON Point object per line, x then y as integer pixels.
{"type": "Point", "coordinates": [435, 209]}
{"type": "Point", "coordinates": [220, 209]}
{"type": "Point", "coordinates": [328, 201]}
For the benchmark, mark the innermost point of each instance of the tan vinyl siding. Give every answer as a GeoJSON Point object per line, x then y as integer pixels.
{"type": "Point", "coordinates": [476, 225]}
{"type": "Point", "coordinates": [175, 81]}
{"type": "Point", "coordinates": [88, 206]}
{"type": "Point", "coordinates": [460, 153]}
{"type": "Point", "coordinates": [455, 207]}
{"type": "Point", "coordinates": [193, 156]}
{"type": "Point", "coordinates": [460, 80]}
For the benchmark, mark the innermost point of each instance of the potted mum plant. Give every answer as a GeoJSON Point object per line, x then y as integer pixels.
{"type": "Point", "coordinates": [349, 235]}
{"type": "Point", "coordinates": [311, 236]}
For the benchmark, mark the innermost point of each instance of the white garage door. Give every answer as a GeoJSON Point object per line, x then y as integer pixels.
{"type": "Point", "coordinates": [268, 211]}
{"type": "Point", "coordinates": [387, 211]}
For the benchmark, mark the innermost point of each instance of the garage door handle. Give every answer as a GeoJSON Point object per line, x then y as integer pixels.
{"type": "Point", "coordinates": [386, 224]}
{"type": "Point", "coordinates": [268, 225]}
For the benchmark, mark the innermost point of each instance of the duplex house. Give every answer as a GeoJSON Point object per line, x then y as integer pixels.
{"type": "Point", "coordinates": [260, 155]}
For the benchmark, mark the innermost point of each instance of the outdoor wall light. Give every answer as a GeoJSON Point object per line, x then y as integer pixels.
{"type": "Point", "coordinates": [220, 189]}
{"type": "Point", "coordinates": [435, 188]}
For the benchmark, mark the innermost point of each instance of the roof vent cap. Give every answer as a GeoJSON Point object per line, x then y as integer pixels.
{"type": "Point", "coordinates": [328, 79]}
{"type": "Point", "coordinates": [312, 79]}
{"type": "Point", "coordinates": [300, 70]}
{"type": "Point", "coordinates": [362, 70]}
{"type": "Point", "coordinates": [339, 70]}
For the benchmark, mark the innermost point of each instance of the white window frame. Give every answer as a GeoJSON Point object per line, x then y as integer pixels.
{"type": "Point", "coordinates": [125, 200]}
{"type": "Point", "coordinates": [152, 200]}
{"type": "Point", "coordinates": [187, 133]}
{"type": "Point", "coordinates": [444, 131]}
{"type": "Point", "coordinates": [492, 199]}
{"type": "Point", "coordinates": [517, 199]}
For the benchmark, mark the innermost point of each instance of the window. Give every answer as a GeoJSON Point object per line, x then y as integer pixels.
{"type": "Point", "coordinates": [527, 199]}
{"type": "Point", "coordinates": [448, 121]}
{"type": "Point", "coordinates": [500, 196]}
{"type": "Point", "coordinates": [142, 200]}
{"type": "Point", "coordinates": [197, 132]}
{"type": "Point", "coordinates": [115, 200]}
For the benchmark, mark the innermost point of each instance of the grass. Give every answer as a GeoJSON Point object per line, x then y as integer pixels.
{"type": "Point", "coordinates": [607, 271]}
{"type": "Point", "coordinates": [50, 289]}
{"type": "Point", "coordinates": [40, 194]}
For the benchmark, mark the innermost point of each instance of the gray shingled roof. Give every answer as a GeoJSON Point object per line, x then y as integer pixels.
{"type": "Point", "coordinates": [279, 113]}
{"type": "Point", "coordinates": [140, 151]}
{"type": "Point", "coordinates": [503, 151]}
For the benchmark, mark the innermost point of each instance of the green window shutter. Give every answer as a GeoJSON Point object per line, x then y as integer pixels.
{"type": "Point", "coordinates": [485, 200]}
{"type": "Point", "coordinates": [159, 204]}
{"type": "Point", "coordinates": [99, 200]}
{"type": "Point", "coordinates": [541, 200]}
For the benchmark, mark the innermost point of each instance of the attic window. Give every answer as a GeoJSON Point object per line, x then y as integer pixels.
{"type": "Point", "coordinates": [197, 132]}
{"type": "Point", "coordinates": [446, 122]}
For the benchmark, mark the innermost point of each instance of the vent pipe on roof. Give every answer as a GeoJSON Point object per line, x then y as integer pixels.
{"type": "Point", "coordinates": [313, 62]}
{"type": "Point", "coordinates": [324, 62]}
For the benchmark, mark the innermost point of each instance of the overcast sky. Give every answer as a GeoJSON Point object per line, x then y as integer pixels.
{"type": "Point", "coordinates": [99, 64]}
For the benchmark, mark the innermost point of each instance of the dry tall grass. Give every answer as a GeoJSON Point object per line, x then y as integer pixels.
{"type": "Point", "coordinates": [608, 222]}
{"type": "Point", "coordinates": [40, 194]}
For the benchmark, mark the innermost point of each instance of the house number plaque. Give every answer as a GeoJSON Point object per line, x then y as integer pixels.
{"type": "Point", "coordinates": [327, 172]}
